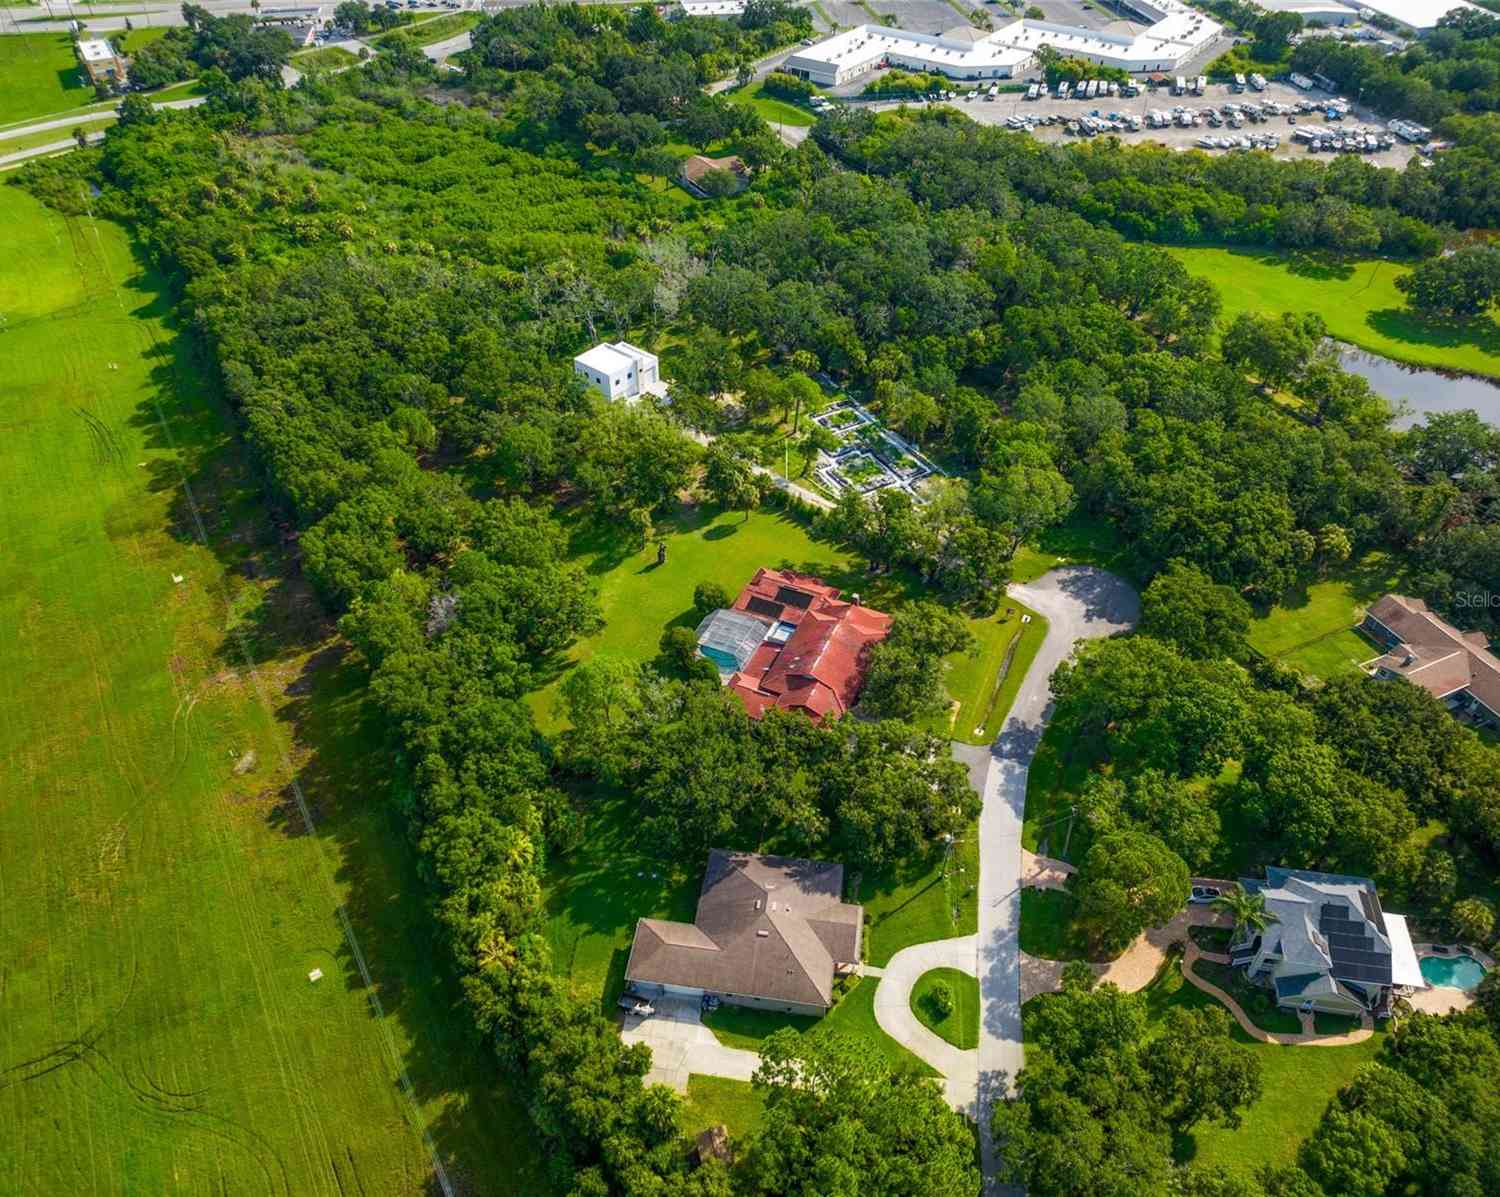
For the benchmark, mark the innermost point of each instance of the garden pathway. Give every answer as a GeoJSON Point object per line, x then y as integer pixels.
{"type": "Point", "coordinates": [1134, 968]}
{"type": "Point", "coordinates": [1307, 1037]}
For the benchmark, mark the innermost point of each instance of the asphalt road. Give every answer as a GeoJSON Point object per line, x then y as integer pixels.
{"type": "Point", "coordinates": [64, 122]}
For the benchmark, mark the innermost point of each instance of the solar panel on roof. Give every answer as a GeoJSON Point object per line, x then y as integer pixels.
{"type": "Point", "coordinates": [1345, 956]}
{"type": "Point", "coordinates": [1362, 972]}
{"type": "Point", "coordinates": [1350, 943]}
{"type": "Point", "coordinates": [764, 606]}
{"type": "Point", "coordinates": [794, 598]}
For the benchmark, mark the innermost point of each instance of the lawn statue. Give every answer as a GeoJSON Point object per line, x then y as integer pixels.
{"type": "Point", "coordinates": [661, 552]}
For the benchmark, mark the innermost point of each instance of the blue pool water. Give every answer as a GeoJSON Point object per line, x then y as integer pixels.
{"type": "Point", "coordinates": [1452, 972]}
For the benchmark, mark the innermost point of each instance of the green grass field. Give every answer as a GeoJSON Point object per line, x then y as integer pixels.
{"type": "Point", "coordinates": [438, 29]}
{"type": "Point", "coordinates": [1357, 299]}
{"type": "Point", "coordinates": [1312, 626]}
{"type": "Point", "coordinates": [925, 900]}
{"type": "Point", "coordinates": [15, 145]}
{"type": "Point", "coordinates": [1048, 927]}
{"type": "Point", "coordinates": [961, 1027]}
{"type": "Point", "coordinates": [596, 893]}
{"type": "Point", "coordinates": [775, 112]}
{"type": "Point", "coordinates": [40, 76]}
{"type": "Point", "coordinates": [324, 58]}
{"type": "Point", "coordinates": [735, 1026]}
{"type": "Point", "coordinates": [163, 903]}
{"type": "Point", "coordinates": [712, 1100]}
{"type": "Point", "coordinates": [1297, 1085]}
{"type": "Point", "coordinates": [973, 680]}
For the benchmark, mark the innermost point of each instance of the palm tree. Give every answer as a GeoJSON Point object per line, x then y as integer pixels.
{"type": "Point", "coordinates": [1248, 910]}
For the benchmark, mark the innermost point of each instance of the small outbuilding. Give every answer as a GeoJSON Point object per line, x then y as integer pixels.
{"type": "Point", "coordinates": [105, 68]}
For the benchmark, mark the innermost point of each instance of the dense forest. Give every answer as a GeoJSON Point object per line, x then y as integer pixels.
{"type": "Point", "coordinates": [391, 276]}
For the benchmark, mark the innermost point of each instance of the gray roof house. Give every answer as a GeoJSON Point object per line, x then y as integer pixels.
{"type": "Point", "coordinates": [771, 932]}
{"type": "Point", "coordinates": [1331, 948]}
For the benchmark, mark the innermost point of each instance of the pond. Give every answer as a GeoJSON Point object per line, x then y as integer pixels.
{"type": "Point", "coordinates": [1423, 390]}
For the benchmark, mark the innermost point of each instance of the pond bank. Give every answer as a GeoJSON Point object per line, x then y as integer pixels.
{"type": "Point", "coordinates": [1422, 389]}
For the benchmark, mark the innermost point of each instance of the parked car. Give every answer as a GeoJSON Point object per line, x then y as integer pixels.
{"type": "Point", "coordinates": [633, 1003]}
{"type": "Point", "coordinates": [1203, 894]}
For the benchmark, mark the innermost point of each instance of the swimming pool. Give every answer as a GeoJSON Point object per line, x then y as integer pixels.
{"type": "Point", "coordinates": [1452, 972]}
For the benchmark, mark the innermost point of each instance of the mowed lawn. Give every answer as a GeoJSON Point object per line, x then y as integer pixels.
{"type": "Point", "coordinates": [1297, 1083]}
{"type": "Point", "coordinates": [775, 111]}
{"type": "Point", "coordinates": [960, 1026]}
{"type": "Point", "coordinates": [1357, 299]}
{"type": "Point", "coordinates": [40, 76]}
{"type": "Point", "coordinates": [597, 891]}
{"type": "Point", "coordinates": [853, 1015]}
{"type": "Point", "coordinates": [1312, 626]}
{"type": "Point", "coordinates": [162, 904]}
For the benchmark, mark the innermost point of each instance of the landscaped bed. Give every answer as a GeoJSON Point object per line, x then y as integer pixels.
{"type": "Point", "coordinates": [960, 1024]}
{"type": "Point", "coordinates": [1257, 1003]}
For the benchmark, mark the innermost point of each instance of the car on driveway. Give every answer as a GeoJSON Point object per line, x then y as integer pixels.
{"type": "Point", "coordinates": [1203, 894]}
{"type": "Point", "coordinates": [634, 1004]}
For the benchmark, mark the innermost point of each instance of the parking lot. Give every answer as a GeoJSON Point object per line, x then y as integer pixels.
{"type": "Point", "coordinates": [1014, 104]}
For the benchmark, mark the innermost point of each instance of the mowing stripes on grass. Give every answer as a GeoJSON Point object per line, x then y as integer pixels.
{"type": "Point", "coordinates": [1357, 299]}
{"type": "Point", "coordinates": [164, 902]}
{"type": "Point", "coordinates": [247, 658]}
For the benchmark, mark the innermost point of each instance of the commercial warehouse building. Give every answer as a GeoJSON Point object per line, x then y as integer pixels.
{"type": "Point", "coordinates": [1176, 34]}
{"type": "Point", "coordinates": [1414, 16]}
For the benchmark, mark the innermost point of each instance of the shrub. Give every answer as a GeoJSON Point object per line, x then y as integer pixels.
{"type": "Point", "coordinates": [940, 1000]}
{"type": "Point", "coordinates": [788, 87]}
{"type": "Point", "coordinates": [1473, 920]}
{"type": "Point", "coordinates": [709, 596]}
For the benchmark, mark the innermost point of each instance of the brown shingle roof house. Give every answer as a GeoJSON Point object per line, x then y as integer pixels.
{"type": "Point", "coordinates": [692, 170]}
{"type": "Point", "coordinates": [1427, 651]}
{"type": "Point", "coordinates": [790, 642]}
{"type": "Point", "coordinates": [770, 932]}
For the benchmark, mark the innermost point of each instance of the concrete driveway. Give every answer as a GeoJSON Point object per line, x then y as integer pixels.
{"type": "Point", "coordinates": [680, 1044]}
{"type": "Point", "coordinates": [1079, 602]}
{"type": "Point", "coordinates": [893, 1012]}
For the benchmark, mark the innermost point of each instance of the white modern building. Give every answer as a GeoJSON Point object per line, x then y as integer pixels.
{"type": "Point", "coordinates": [1414, 16]}
{"type": "Point", "coordinates": [618, 370]}
{"type": "Point", "coordinates": [1176, 34]}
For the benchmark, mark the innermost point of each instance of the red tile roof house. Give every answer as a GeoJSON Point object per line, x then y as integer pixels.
{"type": "Point", "coordinates": [771, 932]}
{"type": "Point", "coordinates": [790, 642]}
{"type": "Point", "coordinates": [1427, 651]}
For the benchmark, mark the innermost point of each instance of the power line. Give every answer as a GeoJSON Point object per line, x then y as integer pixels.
{"type": "Point", "coordinates": [296, 786]}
